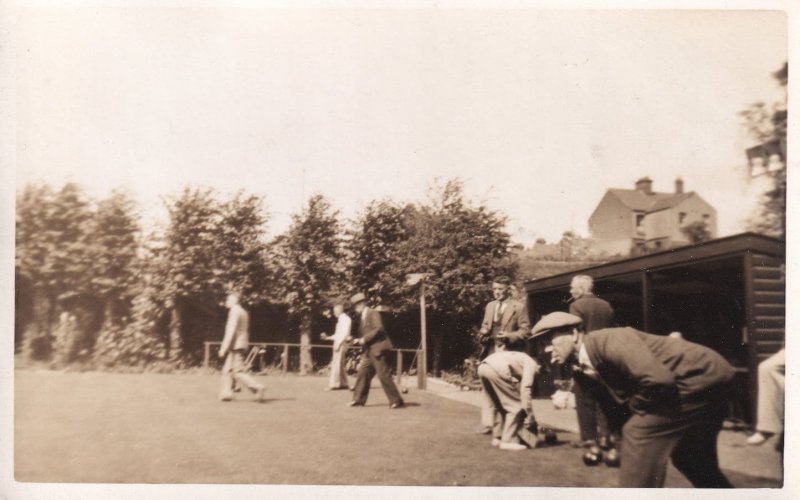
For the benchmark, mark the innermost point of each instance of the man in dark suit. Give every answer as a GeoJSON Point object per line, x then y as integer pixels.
{"type": "Point", "coordinates": [505, 321]}
{"type": "Point", "coordinates": [676, 390]}
{"type": "Point", "coordinates": [596, 314]}
{"type": "Point", "coordinates": [375, 346]}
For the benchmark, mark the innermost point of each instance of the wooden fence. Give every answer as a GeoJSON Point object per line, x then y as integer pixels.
{"type": "Point", "coordinates": [255, 347]}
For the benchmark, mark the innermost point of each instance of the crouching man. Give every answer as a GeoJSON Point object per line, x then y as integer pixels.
{"type": "Point", "coordinates": [676, 390]}
{"type": "Point", "coordinates": [507, 378]}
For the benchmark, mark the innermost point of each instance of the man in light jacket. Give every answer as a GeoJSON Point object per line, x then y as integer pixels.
{"type": "Point", "coordinates": [233, 349]}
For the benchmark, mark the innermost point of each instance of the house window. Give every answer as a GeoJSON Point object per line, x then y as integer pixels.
{"type": "Point", "coordinates": [681, 217]}
{"type": "Point", "coordinates": [639, 221]}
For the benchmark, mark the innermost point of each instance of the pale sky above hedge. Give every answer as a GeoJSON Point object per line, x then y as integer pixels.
{"type": "Point", "coordinates": [538, 111]}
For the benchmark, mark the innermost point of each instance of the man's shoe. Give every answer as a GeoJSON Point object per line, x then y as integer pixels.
{"type": "Point", "coordinates": [512, 446]}
{"type": "Point", "coordinates": [260, 394]}
{"type": "Point", "coordinates": [495, 442]}
{"type": "Point", "coordinates": [395, 406]}
{"type": "Point", "coordinates": [355, 403]}
{"type": "Point", "coordinates": [225, 398]}
{"type": "Point", "coordinates": [484, 430]}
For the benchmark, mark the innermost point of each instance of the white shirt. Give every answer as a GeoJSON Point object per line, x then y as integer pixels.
{"type": "Point", "coordinates": [586, 363]}
{"type": "Point", "coordinates": [342, 329]}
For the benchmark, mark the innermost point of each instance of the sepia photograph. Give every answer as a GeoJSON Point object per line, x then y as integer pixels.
{"type": "Point", "coordinates": [482, 249]}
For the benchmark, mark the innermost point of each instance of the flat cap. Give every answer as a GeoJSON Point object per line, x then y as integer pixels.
{"type": "Point", "coordinates": [554, 320]}
{"type": "Point", "coordinates": [359, 297]}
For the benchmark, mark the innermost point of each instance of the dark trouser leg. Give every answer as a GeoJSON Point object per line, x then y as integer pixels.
{"type": "Point", "coordinates": [647, 442]}
{"type": "Point", "coordinates": [611, 415]}
{"type": "Point", "coordinates": [586, 407]}
{"type": "Point", "coordinates": [385, 376]}
{"type": "Point", "coordinates": [696, 453]}
{"type": "Point", "coordinates": [363, 379]}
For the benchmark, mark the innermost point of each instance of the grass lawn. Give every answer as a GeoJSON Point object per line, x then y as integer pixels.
{"type": "Point", "coordinates": [155, 428]}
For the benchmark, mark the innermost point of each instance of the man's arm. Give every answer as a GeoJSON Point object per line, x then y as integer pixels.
{"type": "Point", "coordinates": [655, 384]}
{"type": "Point", "coordinates": [373, 326]}
{"type": "Point", "coordinates": [230, 328]}
{"type": "Point", "coordinates": [529, 369]}
{"type": "Point", "coordinates": [486, 326]}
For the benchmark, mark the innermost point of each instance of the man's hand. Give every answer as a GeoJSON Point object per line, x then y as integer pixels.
{"type": "Point", "coordinates": [222, 354]}
{"type": "Point", "coordinates": [323, 336]}
{"type": "Point", "coordinates": [358, 341]}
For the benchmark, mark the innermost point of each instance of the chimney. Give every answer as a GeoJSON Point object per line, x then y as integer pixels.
{"type": "Point", "coordinates": [678, 186]}
{"type": "Point", "coordinates": [645, 185]}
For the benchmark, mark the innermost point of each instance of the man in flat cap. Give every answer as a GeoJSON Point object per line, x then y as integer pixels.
{"type": "Point", "coordinates": [676, 390]}
{"type": "Point", "coordinates": [375, 345]}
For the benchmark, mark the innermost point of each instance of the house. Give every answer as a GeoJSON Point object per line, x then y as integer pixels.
{"type": "Point", "coordinates": [640, 218]}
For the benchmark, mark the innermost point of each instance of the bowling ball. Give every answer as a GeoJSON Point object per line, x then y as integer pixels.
{"type": "Point", "coordinates": [612, 458]}
{"type": "Point", "coordinates": [593, 455]}
{"type": "Point", "coordinates": [550, 436]}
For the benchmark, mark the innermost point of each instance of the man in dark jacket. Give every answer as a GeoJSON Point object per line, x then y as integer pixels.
{"type": "Point", "coordinates": [596, 314]}
{"type": "Point", "coordinates": [676, 390]}
{"type": "Point", "coordinates": [375, 345]}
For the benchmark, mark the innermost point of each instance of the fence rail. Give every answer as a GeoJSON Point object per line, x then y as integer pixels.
{"type": "Point", "coordinates": [286, 346]}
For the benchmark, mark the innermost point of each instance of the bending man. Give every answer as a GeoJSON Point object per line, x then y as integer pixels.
{"type": "Point", "coordinates": [675, 389]}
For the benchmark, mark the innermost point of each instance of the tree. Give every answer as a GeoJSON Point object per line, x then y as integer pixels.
{"type": "Point", "coordinates": [242, 253]}
{"type": "Point", "coordinates": [114, 245]}
{"type": "Point", "coordinates": [697, 232]}
{"type": "Point", "coordinates": [210, 248]}
{"type": "Point", "coordinates": [462, 245]}
{"type": "Point", "coordinates": [768, 126]}
{"type": "Point", "coordinates": [309, 256]}
{"type": "Point", "coordinates": [375, 247]}
{"type": "Point", "coordinates": [187, 268]}
{"type": "Point", "coordinates": [52, 254]}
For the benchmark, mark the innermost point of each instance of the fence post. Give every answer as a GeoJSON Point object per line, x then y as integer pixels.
{"type": "Point", "coordinates": [206, 348]}
{"type": "Point", "coordinates": [420, 374]}
{"type": "Point", "coordinates": [285, 358]}
{"type": "Point", "coordinates": [399, 367]}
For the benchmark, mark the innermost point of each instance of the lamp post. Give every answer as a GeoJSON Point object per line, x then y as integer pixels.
{"type": "Point", "coordinates": [422, 362]}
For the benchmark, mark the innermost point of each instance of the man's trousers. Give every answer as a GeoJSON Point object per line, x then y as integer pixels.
{"type": "Point", "coordinates": [338, 378]}
{"type": "Point", "coordinates": [689, 437]}
{"type": "Point", "coordinates": [771, 382]}
{"type": "Point", "coordinates": [234, 370]}
{"type": "Point", "coordinates": [505, 400]}
{"type": "Point", "coordinates": [369, 366]}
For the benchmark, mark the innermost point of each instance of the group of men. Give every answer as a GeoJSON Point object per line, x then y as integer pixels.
{"type": "Point", "coordinates": [372, 339]}
{"type": "Point", "coordinates": [659, 397]}
{"type": "Point", "coordinates": [662, 396]}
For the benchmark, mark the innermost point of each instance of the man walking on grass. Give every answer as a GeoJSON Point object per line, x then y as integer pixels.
{"type": "Point", "coordinates": [376, 345]}
{"type": "Point", "coordinates": [233, 349]}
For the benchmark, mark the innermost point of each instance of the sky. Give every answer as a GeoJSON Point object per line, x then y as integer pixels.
{"type": "Point", "coordinates": [538, 111]}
